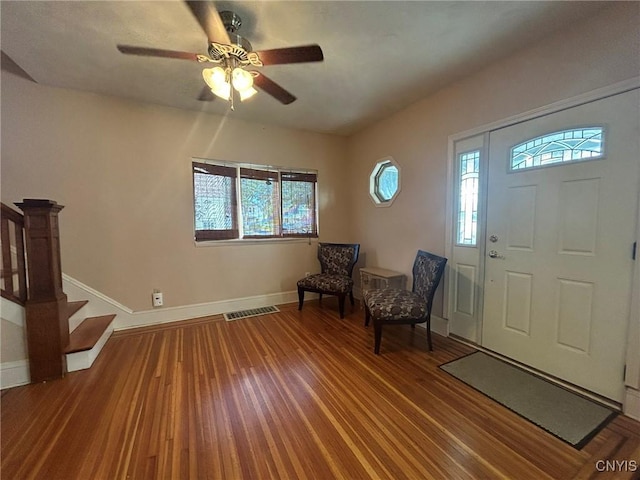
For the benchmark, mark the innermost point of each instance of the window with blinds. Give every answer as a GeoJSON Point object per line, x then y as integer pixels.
{"type": "Point", "coordinates": [215, 205]}
{"type": "Point", "coordinates": [238, 201]}
{"type": "Point", "coordinates": [299, 204]}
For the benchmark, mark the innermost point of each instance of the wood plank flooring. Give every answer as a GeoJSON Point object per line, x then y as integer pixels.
{"type": "Point", "coordinates": [291, 395]}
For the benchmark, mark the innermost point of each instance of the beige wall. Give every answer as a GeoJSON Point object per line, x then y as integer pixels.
{"type": "Point", "coordinates": [599, 52]}
{"type": "Point", "coordinates": [123, 172]}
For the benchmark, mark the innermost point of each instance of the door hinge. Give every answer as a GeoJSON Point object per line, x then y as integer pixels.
{"type": "Point", "coordinates": [624, 373]}
{"type": "Point", "coordinates": [633, 250]}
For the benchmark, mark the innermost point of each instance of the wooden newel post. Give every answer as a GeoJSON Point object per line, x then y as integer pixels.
{"type": "Point", "coordinates": [46, 305]}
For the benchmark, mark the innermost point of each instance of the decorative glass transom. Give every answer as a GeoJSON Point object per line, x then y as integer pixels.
{"type": "Point", "coordinates": [468, 199]}
{"type": "Point", "coordinates": [565, 146]}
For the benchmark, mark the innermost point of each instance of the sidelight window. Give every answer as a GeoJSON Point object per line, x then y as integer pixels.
{"type": "Point", "coordinates": [469, 171]}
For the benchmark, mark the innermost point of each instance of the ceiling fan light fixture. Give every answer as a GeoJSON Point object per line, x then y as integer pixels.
{"type": "Point", "coordinates": [241, 79]}
{"type": "Point", "coordinates": [223, 91]}
{"type": "Point", "coordinates": [247, 93]}
{"type": "Point", "coordinates": [216, 80]}
{"type": "Point", "coordinates": [214, 77]}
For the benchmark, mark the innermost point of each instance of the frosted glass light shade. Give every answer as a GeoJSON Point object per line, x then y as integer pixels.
{"type": "Point", "coordinates": [247, 93]}
{"type": "Point", "coordinates": [222, 91]}
{"type": "Point", "coordinates": [241, 79]}
{"type": "Point", "coordinates": [215, 78]}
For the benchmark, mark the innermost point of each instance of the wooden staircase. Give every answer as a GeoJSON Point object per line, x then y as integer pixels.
{"type": "Point", "coordinates": [59, 340]}
{"type": "Point", "coordinates": [86, 337]}
{"type": "Point", "coordinates": [88, 333]}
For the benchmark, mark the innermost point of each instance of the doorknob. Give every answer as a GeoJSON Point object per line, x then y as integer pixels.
{"type": "Point", "coordinates": [495, 254]}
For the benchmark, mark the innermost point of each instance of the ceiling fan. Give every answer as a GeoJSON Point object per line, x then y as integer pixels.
{"type": "Point", "coordinates": [232, 76]}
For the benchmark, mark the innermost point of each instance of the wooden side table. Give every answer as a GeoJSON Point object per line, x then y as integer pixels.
{"type": "Point", "coordinates": [372, 278]}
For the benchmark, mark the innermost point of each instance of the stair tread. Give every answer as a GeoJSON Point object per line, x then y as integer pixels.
{"type": "Point", "coordinates": [88, 333]}
{"type": "Point", "coordinates": [73, 307]}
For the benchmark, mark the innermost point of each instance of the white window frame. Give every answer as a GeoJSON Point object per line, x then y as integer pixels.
{"type": "Point", "coordinates": [373, 182]}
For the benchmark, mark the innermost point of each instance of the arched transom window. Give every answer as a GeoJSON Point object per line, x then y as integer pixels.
{"type": "Point", "coordinates": [564, 146]}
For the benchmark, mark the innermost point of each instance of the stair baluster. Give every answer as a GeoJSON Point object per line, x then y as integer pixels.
{"type": "Point", "coordinates": [14, 274]}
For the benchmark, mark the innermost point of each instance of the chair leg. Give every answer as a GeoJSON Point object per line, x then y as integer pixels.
{"type": "Point", "coordinates": [341, 305]}
{"type": "Point", "coordinates": [367, 315]}
{"type": "Point", "coordinates": [429, 333]}
{"type": "Point", "coordinates": [320, 298]}
{"type": "Point", "coordinates": [300, 298]}
{"type": "Point", "coordinates": [377, 335]}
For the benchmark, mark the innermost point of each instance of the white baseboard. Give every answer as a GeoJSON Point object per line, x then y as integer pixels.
{"type": "Point", "coordinates": [14, 374]}
{"type": "Point", "coordinates": [174, 314]}
{"type": "Point", "coordinates": [632, 403]}
{"type": "Point", "coordinates": [126, 318]}
{"type": "Point", "coordinates": [438, 325]}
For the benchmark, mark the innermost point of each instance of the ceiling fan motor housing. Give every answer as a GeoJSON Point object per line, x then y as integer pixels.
{"type": "Point", "coordinates": [231, 21]}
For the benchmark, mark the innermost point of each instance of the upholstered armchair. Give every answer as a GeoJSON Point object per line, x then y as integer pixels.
{"type": "Point", "coordinates": [398, 307]}
{"type": "Point", "coordinates": [336, 266]}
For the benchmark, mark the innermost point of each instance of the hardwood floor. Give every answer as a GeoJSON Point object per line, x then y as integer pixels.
{"type": "Point", "coordinates": [289, 395]}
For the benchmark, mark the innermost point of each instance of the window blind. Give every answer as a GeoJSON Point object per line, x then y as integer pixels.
{"type": "Point", "coordinates": [215, 202]}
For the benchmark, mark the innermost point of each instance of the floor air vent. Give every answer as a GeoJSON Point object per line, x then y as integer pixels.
{"type": "Point", "coordinates": [252, 312]}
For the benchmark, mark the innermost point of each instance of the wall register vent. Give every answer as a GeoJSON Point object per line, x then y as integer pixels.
{"type": "Point", "coordinates": [252, 312]}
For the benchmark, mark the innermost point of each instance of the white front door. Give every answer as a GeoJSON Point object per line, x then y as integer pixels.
{"type": "Point", "coordinates": [559, 242]}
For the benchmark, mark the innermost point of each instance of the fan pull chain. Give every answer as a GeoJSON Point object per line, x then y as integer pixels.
{"type": "Point", "coordinates": [231, 89]}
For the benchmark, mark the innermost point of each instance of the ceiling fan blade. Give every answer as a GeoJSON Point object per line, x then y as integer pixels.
{"type": "Point", "coordinates": [279, 56]}
{"type": "Point", "coordinates": [156, 52]}
{"type": "Point", "coordinates": [273, 89]}
{"type": "Point", "coordinates": [208, 18]}
{"type": "Point", "coordinates": [206, 95]}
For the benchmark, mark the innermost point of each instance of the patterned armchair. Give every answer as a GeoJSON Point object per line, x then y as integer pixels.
{"type": "Point", "coordinates": [398, 307]}
{"type": "Point", "coordinates": [336, 264]}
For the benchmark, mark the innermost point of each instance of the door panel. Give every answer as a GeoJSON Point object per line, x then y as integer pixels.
{"type": "Point", "coordinates": [558, 278]}
{"type": "Point", "coordinates": [521, 217]}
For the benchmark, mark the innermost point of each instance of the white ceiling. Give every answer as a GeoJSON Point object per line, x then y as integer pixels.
{"type": "Point", "coordinates": [380, 56]}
